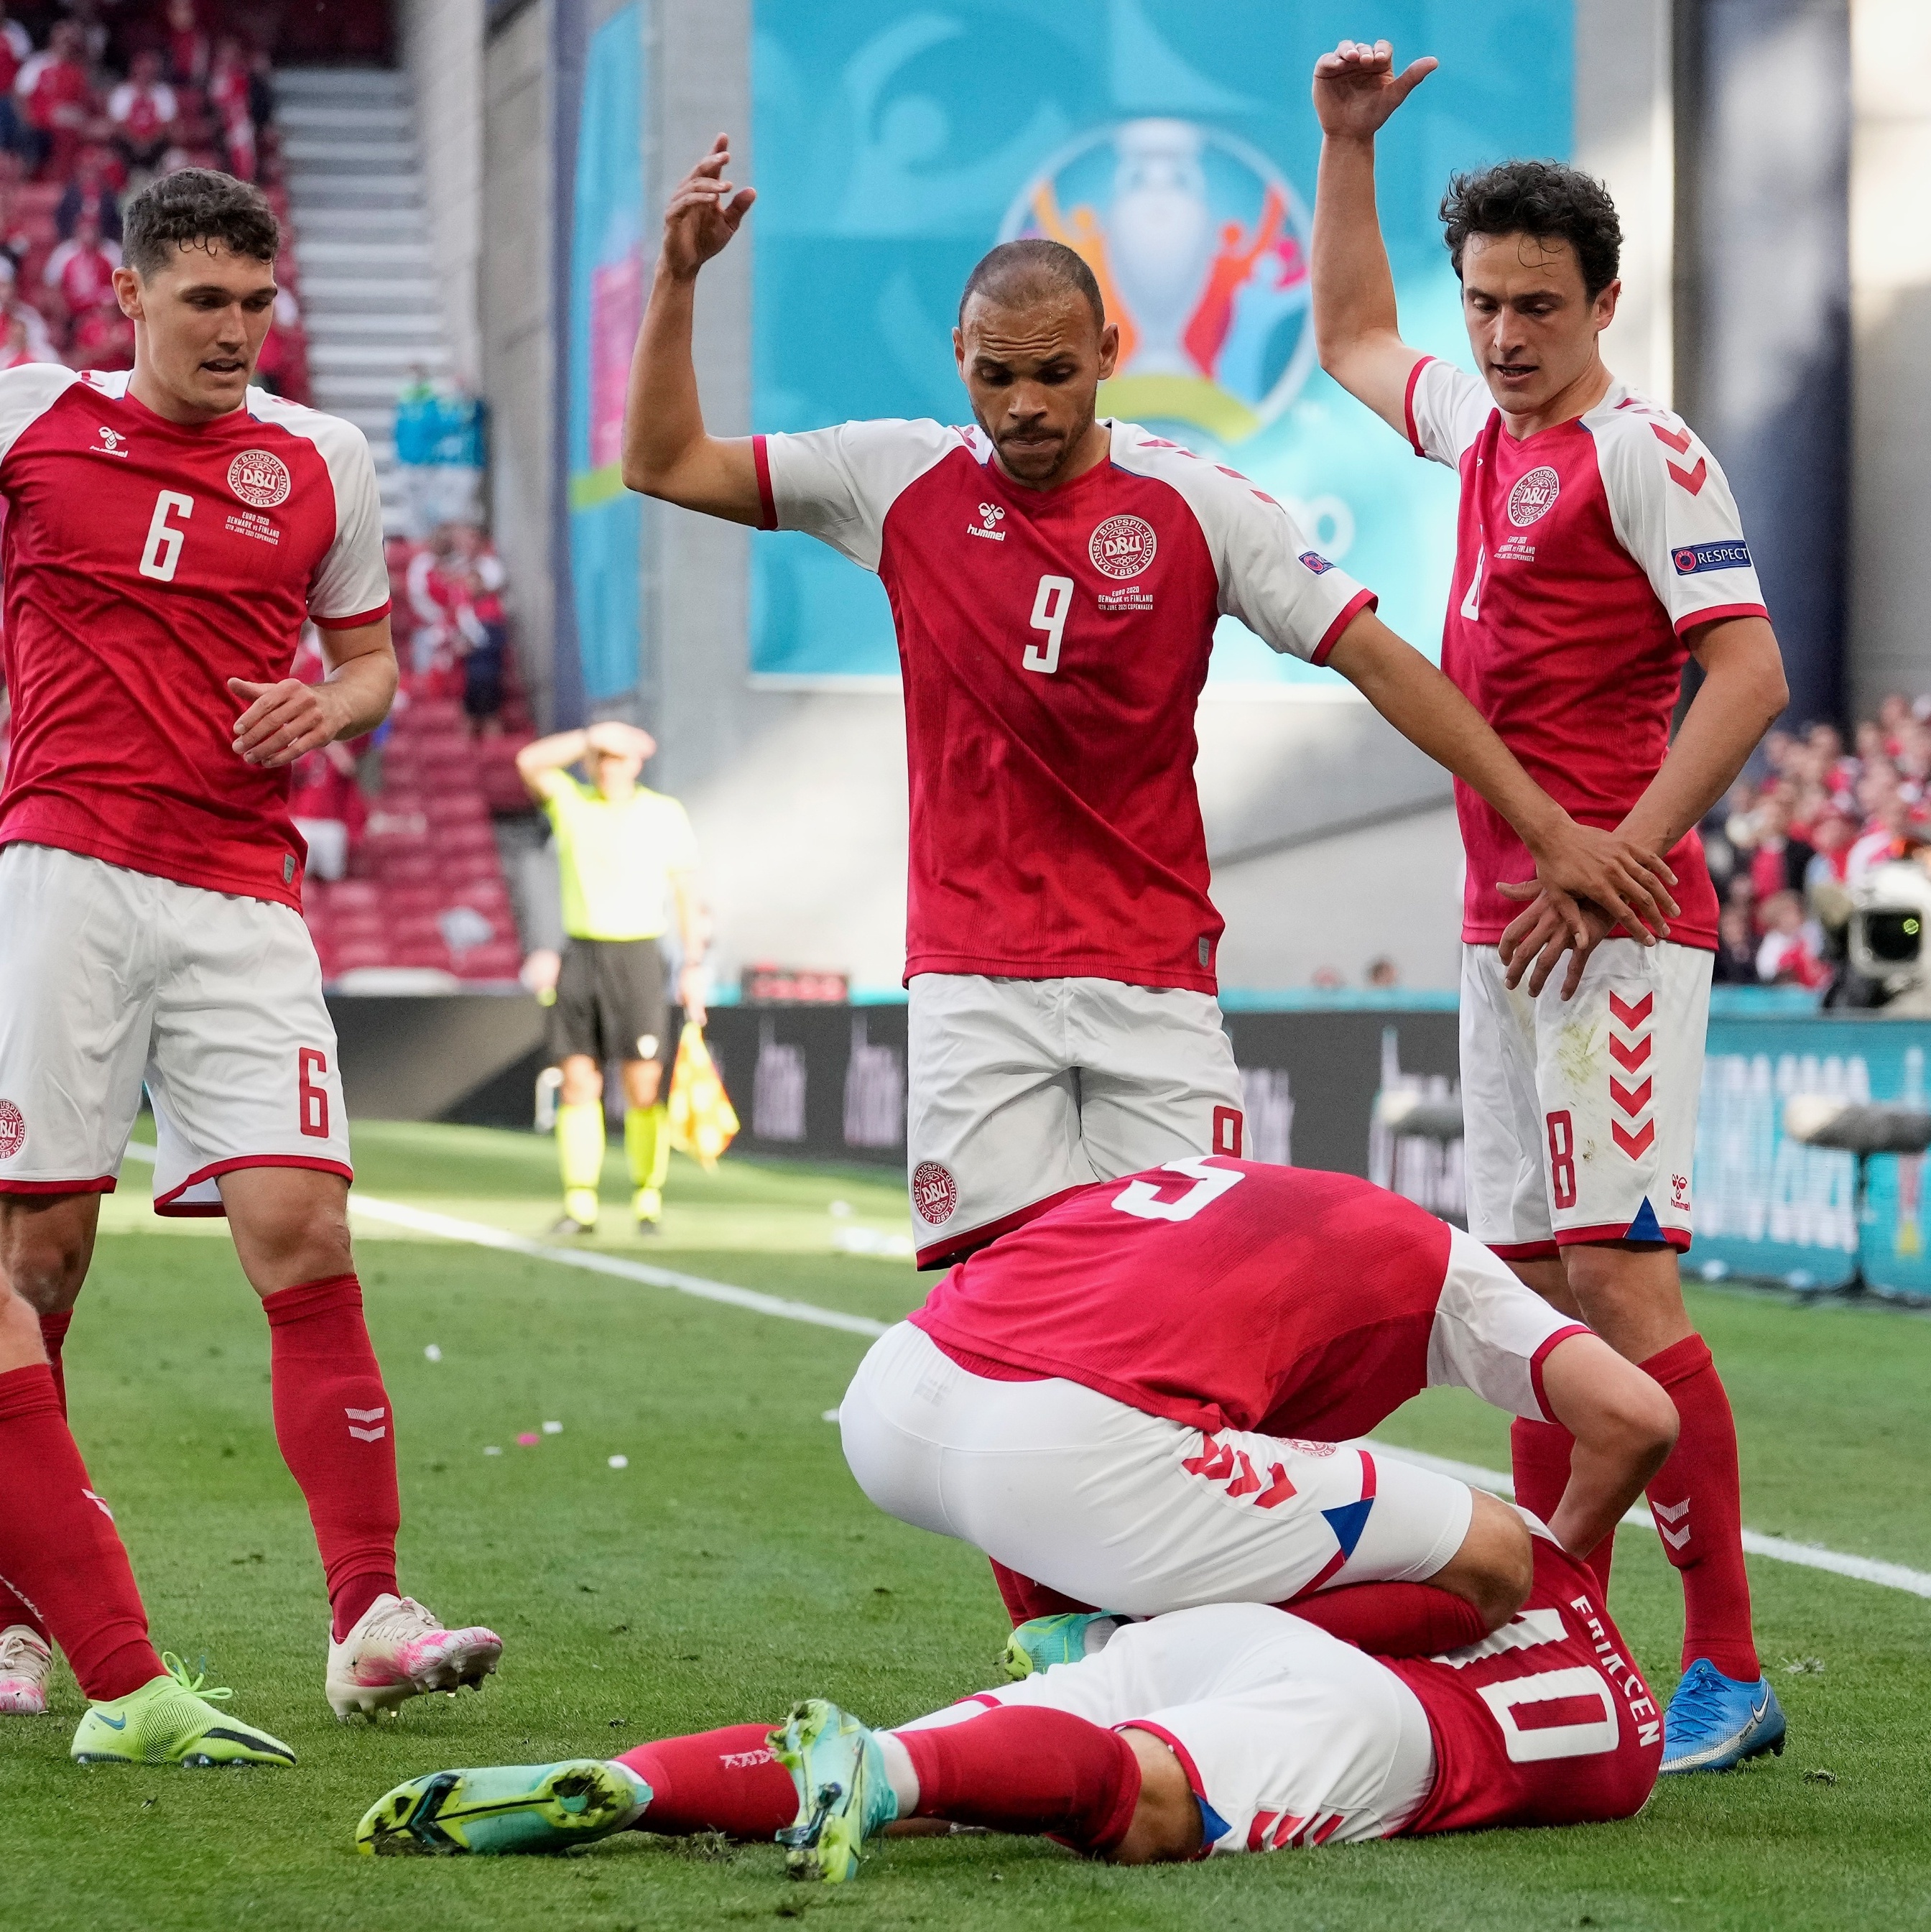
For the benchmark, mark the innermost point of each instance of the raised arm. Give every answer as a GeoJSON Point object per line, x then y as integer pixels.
{"type": "Point", "coordinates": [1624, 1425]}
{"type": "Point", "coordinates": [1572, 862]}
{"type": "Point", "coordinates": [1355, 88]}
{"type": "Point", "coordinates": [667, 452]}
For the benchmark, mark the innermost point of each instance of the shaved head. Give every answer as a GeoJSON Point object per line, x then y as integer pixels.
{"type": "Point", "coordinates": [1017, 274]}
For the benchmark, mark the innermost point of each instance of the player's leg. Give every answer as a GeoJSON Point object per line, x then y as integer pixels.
{"type": "Point", "coordinates": [641, 1023]}
{"type": "Point", "coordinates": [992, 1130]}
{"type": "Point", "coordinates": [1622, 1119]}
{"type": "Point", "coordinates": [576, 1022]}
{"type": "Point", "coordinates": [1157, 1078]}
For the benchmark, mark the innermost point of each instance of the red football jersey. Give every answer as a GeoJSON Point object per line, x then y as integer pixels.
{"type": "Point", "coordinates": [145, 564]}
{"type": "Point", "coordinates": [1583, 554]}
{"type": "Point", "coordinates": [1226, 1293]}
{"type": "Point", "coordinates": [1545, 1721]}
{"type": "Point", "coordinates": [1053, 645]}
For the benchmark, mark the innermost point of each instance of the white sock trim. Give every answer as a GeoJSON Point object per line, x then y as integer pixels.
{"type": "Point", "coordinates": [898, 1771]}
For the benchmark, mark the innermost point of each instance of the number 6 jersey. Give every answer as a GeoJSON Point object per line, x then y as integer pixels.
{"type": "Point", "coordinates": [146, 563]}
{"type": "Point", "coordinates": [1054, 644]}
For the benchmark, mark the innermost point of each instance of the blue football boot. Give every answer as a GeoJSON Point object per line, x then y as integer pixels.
{"type": "Point", "coordinates": [1715, 1723]}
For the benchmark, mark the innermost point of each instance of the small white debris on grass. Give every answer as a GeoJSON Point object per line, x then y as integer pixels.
{"type": "Point", "coordinates": [840, 1210]}
{"type": "Point", "coordinates": [432, 1353]}
{"type": "Point", "coordinates": [553, 1429]}
{"type": "Point", "coordinates": [830, 1415]}
{"type": "Point", "coordinates": [873, 1241]}
{"type": "Point", "coordinates": [619, 1462]}
{"type": "Point", "coordinates": [492, 1450]}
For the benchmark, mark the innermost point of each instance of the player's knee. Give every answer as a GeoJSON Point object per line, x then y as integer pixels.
{"type": "Point", "coordinates": [583, 1082]}
{"type": "Point", "coordinates": [44, 1262]}
{"type": "Point", "coordinates": [1167, 1825]}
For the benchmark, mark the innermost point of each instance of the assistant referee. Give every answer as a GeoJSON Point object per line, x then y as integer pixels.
{"type": "Point", "coordinates": [624, 853]}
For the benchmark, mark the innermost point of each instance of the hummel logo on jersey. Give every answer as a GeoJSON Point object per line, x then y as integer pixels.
{"type": "Point", "coordinates": [989, 516]}
{"type": "Point", "coordinates": [110, 442]}
{"type": "Point", "coordinates": [1734, 554]}
{"type": "Point", "coordinates": [374, 1415]}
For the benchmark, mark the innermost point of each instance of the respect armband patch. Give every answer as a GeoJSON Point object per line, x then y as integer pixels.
{"type": "Point", "coordinates": [1692, 559]}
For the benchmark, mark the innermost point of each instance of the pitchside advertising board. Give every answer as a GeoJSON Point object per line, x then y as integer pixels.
{"type": "Point", "coordinates": [1173, 145]}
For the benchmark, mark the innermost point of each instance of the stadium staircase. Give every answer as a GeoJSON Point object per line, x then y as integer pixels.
{"type": "Point", "coordinates": [426, 896]}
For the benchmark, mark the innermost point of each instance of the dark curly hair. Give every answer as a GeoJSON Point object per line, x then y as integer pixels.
{"type": "Point", "coordinates": [1543, 199]}
{"type": "Point", "coordinates": [197, 205]}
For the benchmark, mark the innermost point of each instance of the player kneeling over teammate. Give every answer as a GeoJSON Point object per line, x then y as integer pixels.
{"type": "Point", "coordinates": [169, 530]}
{"type": "Point", "coordinates": [1229, 1728]}
{"type": "Point", "coordinates": [1137, 1399]}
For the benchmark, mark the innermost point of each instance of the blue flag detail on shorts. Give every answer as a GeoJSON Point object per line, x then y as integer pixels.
{"type": "Point", "coordinates": [1645, 1227]}
{"type": "Point", "coordinates": [1348, 1522]}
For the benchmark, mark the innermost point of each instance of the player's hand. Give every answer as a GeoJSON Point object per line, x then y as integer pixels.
{"type": "Point", "coordinates": [1356, 87]}
{"type": "Point", "coordinates": [620, 740]}
{"type": "Point", "coordinates": [283, 721]}
{"type": "Point", "coordinates": [691, 994]}
{"type": "Point", "coordinates": [703, 212]}
{"type": "Point", "coordinates": [1554, 924]}
{"type": "Point", "coordinates": [1611, 872]}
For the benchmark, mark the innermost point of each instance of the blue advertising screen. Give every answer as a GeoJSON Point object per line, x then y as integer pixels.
{"type": "Point", "coordinates": [1174, 145]}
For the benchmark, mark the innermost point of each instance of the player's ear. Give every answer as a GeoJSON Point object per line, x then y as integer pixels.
{"type": "Point", "coordinates": [128, 293]}
{"type": "Point", "coordinates": [1604, 306]}
{"type": "Point", "coordinates": [1109, 350]}
{"type": "Point", "coordinates": [958, 349]}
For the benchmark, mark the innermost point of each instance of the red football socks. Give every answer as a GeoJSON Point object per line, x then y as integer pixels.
{"type": "Point", "coordinates": [338, 1437]}
{"type": "Point", "coordinates": [59, 1548]}
{"type": "Point", "coordinates": [1024, 1599]}
{"type": "Point", "coordinates": [1540, 1452]}
{"type": "Point", "coordinates": [1024, 1769]}
{"type": "Point", "coordinates": [724, 1781]}
{"type": "Point", "coordinates": [53, 1332]}
{"type": "Point", "coordinates": [1696, 1501]}
{"type": "Point", "coordinates": [1394, 1619]}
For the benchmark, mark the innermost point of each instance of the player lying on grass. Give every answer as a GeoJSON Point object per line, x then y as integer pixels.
{"type": "Point", "coordinates": [1229, 1728]}
{"type": "Point", "coordinates": [1055, 581]}
{"type": "Point", "coordinates": [1135, 1400]}
{"type": "Point", "coordinates": [168, 531]}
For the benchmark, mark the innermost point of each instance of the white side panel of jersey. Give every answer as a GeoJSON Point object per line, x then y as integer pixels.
{"type": "Point", "coordinates": [1448, 408]}
{"type": "Point", "coordinates": [838, 485]}
{"type": "Point", "coordinates": [352, 579]}
{"type": "Point", "coordinates": [1260, 556]}
{"type": "Point", "coordinates": [1488, 1326]}
{"type": "Point", "coordinates": [30, 391]}
{"type": "Point", "coordinates": [1670, 507]}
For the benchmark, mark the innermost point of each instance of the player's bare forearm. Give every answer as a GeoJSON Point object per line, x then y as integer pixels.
{"type": "Point", "coordinates": [1356, 328]}
{"type": "Point", "coordinates": [282, 721]}
{"type": "Point", "coordinates": [553, 753]}
{"type": "Point", "coordinates": [1625, 1426]}
{"type": "Point", "coordinates": [1430, 713]}
{"type": "Point", "coordinates": [667, 453]}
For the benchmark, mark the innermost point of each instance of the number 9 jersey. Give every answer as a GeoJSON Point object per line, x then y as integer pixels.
{"type": "Point", "coordinates": [146, 563]}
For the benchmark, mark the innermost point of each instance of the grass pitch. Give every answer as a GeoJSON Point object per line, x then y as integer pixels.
{"type": "Point", "coordinates": [732, 1566]}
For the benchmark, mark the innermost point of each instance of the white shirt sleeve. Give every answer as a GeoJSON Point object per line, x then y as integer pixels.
{"type": "Point", "coordinates": [1446, 408]}
{"type": "Point", "coordinates": [838, 485]}
{"type": "Point", "coordinates": [25, 393]}
{"type": "Point", "coordinates": [1671, 508]}
{"type": "Point", "coordinates": [352, 580]}
{"type": "Point", "coordinates": [1491, 1334]}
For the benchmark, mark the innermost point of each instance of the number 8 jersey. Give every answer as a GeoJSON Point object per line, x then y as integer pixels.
{"type": "Point", "coordinates": [1054, 644]}
{"type": "Point", "coordinates": [146, 562]}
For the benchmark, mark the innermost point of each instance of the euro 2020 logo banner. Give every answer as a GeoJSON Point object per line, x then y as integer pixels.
{"type": "Point", "coordinates": [1174, 147]}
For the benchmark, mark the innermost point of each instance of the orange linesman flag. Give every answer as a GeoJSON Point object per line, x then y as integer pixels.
{"type": "Point", "coordinates": [703, 1121]}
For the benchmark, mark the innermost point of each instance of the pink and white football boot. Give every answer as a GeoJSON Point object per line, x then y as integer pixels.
{"type": "Point", "coordinates": [24, 1663]}
{"type": "Point", "coordinates": [396, 1651]}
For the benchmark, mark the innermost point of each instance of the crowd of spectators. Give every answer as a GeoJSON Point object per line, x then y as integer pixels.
{"type": "Point", "coordinates": [1790, 845]}
{"type": "Point", "coordinates": [96, 98]}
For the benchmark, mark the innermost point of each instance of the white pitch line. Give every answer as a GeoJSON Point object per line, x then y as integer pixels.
{"type": "Point", "coordinates": [480, 1234]}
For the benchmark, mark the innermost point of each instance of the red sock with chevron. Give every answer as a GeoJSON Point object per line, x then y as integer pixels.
{"type": "Point", "coordinates": [1696, 1502]}
{"type": "Point", "coordinates": [333, 1422]}
{"type": "Point", "coordinates": [53, 1334]}
{"type": "Point", "coordinates": [724, 1780]}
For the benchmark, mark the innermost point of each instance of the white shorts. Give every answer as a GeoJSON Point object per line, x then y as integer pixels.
{"type": "Point", "coordinates": [1018, 1090]}
{"type": "Point", "coordinates": [1288, 1736]}
{"type": "Point", "coordinates": [114, 978]}
{"type": "Point", "coordinates": [1129, 1511]}
{"type": "Point", "coordinates": [1581, 1115]}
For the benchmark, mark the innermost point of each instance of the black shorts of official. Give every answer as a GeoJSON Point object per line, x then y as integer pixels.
{"type": "Point", "coordinates": [610, 1001]}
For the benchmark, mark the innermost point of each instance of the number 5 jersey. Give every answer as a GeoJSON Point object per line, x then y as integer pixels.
{"type": "Point", "coordinates": [146, 562]}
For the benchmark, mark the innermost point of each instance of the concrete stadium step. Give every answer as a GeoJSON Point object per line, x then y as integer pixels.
{"type": "Point", "coordinates": [307, 156]}
{"type": "Point", "coordinates": [328, 120]}
{"type": "Point", "coordinates": [376, 254]}
{"type": "Point", "coordinates": [356, 327]}
{"type": "Point", "coordinates": [364, 224]}
{"type": "Point", "coordinates": [325, 297]}
{"type": "Point", "coordinates": [346, 85]}
{"type": "Point", "coordinates": [353, 191]}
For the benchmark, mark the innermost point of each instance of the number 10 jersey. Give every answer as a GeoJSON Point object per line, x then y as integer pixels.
{"type": "Point", "coordinates": [146, 563]}
{"type": "Point", "coordinates": [1054, 644]}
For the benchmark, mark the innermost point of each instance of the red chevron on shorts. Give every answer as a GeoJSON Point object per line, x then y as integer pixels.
{"type": "Point", "coordinates": [1632, 1016]}
{"type": "Point", "coordinates": [1635, 1145]}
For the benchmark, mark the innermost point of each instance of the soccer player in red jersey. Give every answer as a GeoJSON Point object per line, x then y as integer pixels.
{"type": "Point", "coordinates": [168, 532]}
{"type": "Point", "coordinates": [1598, 546]}
{"type": "Point", "coordinates": [1193, 1350]}
{"type": "Point", "coordinates": [1231, 1728]}
{"type": "Point", "coordinates": [1055, 581]}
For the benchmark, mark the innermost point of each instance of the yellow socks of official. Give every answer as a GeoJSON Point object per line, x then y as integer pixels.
{"type": "Point", "coordinates": [647, 1143]}
{"type": "Point", "coordinates": [580, 1153]}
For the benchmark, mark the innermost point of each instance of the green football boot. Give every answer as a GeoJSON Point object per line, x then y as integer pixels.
{"type": "Point", "coordinates": [843, 1795]}
{"type": "Point", "coordinates": [502, 1808]}
{"type": "Point", "coordinates": [1042, 1641]}
{"type": "Point", "coordinates": [172, 1719]}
